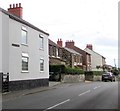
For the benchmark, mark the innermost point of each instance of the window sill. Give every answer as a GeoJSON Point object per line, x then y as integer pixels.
{"type": "Point", "coordinates": [41, 49]}
{"type": "Point", "coordinates": [25, 45]}
{"type": "Point", "coordinates": [41, 71]}
{"type": "Point", "coordinates": [25, 71]}
{"type": "Point", "coordinates": [53, 56]}
{"type": "Point", "coordinates": [58, 57]}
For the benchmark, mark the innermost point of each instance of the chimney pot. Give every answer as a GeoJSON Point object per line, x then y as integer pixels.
{"type": "Point", "coordinates": [19, 4]}
{"type": "Point", "coordinates": [10, 6]}
{"type": "Point", "coordinates": [16, 5]}
{"type": "Point", "coordinates": [13, 5]}
{"type": "Point", "coordinates": [89, 46]}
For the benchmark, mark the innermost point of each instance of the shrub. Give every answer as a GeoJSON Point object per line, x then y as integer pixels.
{"type": "Point", "coordinates": [64, 70]}
{"type": "Point", "coordinates": [73, 71]}
{"type": "Point", "coordinates": [94, 73]}
{"type": "Point", "coordinates": [57, 68]}
{"type": "Point", "coordinates": [97, 73]}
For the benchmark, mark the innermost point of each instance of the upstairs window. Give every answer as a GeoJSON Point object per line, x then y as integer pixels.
{"type": "Point", "coordinates": [54, 51]}
{"type": "Point", "coordinates": [81, 59]}
{"type": "Point", "coordinates": [24, 35]}
{"type": "Point", "coordinates": [58, 52]}
{"type": "Point", "coordinates": [41, 42]}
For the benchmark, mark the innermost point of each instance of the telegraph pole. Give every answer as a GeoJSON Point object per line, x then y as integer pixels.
{"type": "Point", "coordinates": [115, 63]}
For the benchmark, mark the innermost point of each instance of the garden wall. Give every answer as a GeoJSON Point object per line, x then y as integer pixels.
{"type": "Point", "coordinates": [97, 78]}
{"type": "Point", "coordinates": [73, 78]}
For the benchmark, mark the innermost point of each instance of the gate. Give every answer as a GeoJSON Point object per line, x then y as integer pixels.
{"type": "Point", "coordinates": [89, 75]}
{"type": "Point", "coordinates": [5, 82]}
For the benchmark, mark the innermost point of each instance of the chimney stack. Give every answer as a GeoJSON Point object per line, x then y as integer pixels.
{"type": "Point", "coordinates": [89, 46]}
{"type": "Point", "coordinates": [60, 42]}
{"type": "Point", "coordinates": [16, 10]}
{"type": "Point", "coordinates": [69, 44]}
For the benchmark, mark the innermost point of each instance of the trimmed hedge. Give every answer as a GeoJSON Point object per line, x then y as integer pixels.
{"type": "Point", "coordinates": [65, 70]}
{"type": "Point", "coordinates": [73, 71]}
{"type": "Point", "coordinates": [94, 73]}
{"type": "Point", "coordinates": [61, 69]}
{"type": "Point", "coordinates": [57, 68]}
{"type": "Point", "coordinates": [97, 73]}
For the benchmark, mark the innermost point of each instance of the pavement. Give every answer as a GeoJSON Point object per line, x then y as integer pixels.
{"type": "Point", "coordinates": [16, 94]}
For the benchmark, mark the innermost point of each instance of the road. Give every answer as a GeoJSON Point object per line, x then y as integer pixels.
{"type": "Point", "coordinates": [91, 95]}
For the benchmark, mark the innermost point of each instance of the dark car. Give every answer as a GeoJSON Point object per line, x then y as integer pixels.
{"type": "Point", "coordinates": [108, 76]}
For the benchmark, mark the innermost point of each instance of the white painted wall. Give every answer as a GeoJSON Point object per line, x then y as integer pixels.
{"type": "Point", "coordinates": [0, 59]}
{"type": "Point", "coordinates": [96, 60]}
{"type": "Point", "coordinates": [5, 43]}
{"type": "Point", "coordinates": [11, 57]}
{"type": "Point", "coordinates": [0, 41]}
{"type": "Point", "coordinates": [15, 58]}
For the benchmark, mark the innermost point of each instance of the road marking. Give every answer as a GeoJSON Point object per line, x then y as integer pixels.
{"type": "Point", "coordinates": [57, 104]}
{"type": "Point", "coordinates": [84, 93]}
{"type": "Point", "coordinates": [95, 87]}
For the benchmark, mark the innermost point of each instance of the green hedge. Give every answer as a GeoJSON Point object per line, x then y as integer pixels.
{"type": "Point", "coordinates": [97, 73]}
{"type": "Point", "coordinates": [57, 68]}
{"type": "Point", "coordinates": [65, 70]}
{"type": "Point", "coordinates": [94, 73]}
{"type": "Point", "coordinates": [73, 71]}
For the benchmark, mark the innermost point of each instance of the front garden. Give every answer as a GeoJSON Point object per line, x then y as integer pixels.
{"type": "Point", "coordinates": [68, 74]}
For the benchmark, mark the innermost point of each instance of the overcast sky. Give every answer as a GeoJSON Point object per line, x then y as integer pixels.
{"type": "Point", "coordinates": [84, 21]}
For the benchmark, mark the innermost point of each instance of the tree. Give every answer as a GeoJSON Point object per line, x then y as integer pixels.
{"type": "Point", "coordinates": [115, 71]}
{"type": "Point", "coordinates": [98, 67]}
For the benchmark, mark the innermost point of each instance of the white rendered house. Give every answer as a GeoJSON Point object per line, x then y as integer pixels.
{"type": "Point", "coordinates": [96, 59]}
{"type": "Point", "coordinates": [23, 51]}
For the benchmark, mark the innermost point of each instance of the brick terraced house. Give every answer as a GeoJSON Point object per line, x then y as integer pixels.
{"type": "Point", "coordinates": [60, 55]}
{"type": "Point", "coordinates": [86, 57]}
{"type": "Point", "coordinates": [76, 58]}
{"type": "Point", "coordinates": [55, 54]}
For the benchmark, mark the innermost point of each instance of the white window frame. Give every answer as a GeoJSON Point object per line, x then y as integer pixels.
{"type": "Point", "coordinates": [25, 55]}
{"type": "Point", "coordinates": [41, 59]}
{"type": "Point", "coordinates": [25, 30]}
{"type": "Point", "coordinates": [57, 53]}
{"type": "Point", "coordinates": [41, 43]}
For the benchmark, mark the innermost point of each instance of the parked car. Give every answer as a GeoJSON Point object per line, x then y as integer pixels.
{"type": "Point", "coordinates": [108, 76]}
